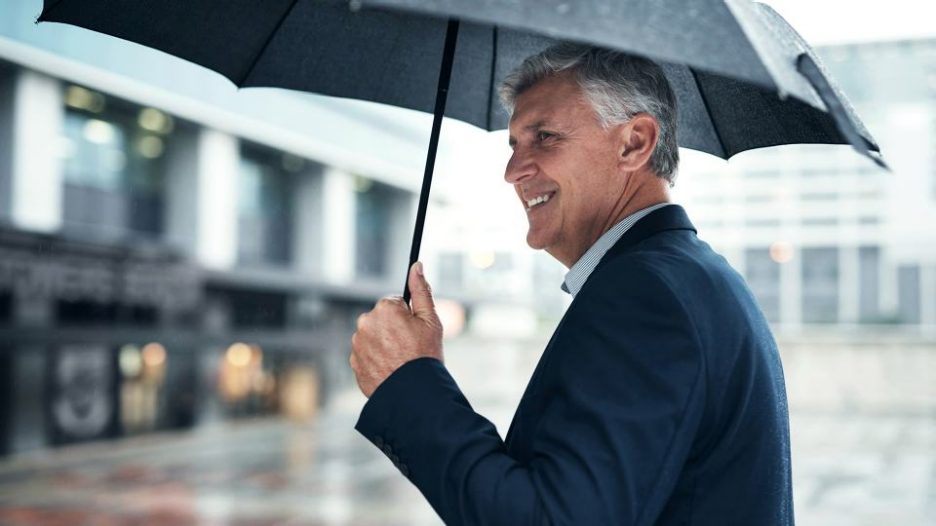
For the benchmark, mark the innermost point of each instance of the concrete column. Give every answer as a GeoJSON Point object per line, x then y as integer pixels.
{"type": "Point", "coordinates": [203, 196]}
{"type": "Point", "coordinates": [35, 174]}
{"type": "Point", "coordinates": [849, 284]}
{"type": "Point", "coordinates": [791, 290]}
{"type": "Point", "coordinates": [338, 226]}
{"type": "Point", "coordinates": [218, 178]}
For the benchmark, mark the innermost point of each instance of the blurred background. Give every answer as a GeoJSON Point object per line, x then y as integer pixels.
{"type": "Point", "coordinates": [182, 265]}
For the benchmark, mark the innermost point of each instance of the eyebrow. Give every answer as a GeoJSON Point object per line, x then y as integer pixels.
{"type": "Point", "coordinates": [537, 125]}
{"type": "Point", "coordinates": [530, 127]}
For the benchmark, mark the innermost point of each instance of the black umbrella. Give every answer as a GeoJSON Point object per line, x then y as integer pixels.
{"type": "Point", "coordinates": [743, 78]}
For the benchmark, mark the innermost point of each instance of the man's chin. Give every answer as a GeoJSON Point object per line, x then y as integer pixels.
{"type": "Point", "coordinates": [535, 242]}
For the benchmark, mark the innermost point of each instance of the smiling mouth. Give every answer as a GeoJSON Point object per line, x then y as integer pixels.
{"type": "Point", "coordinates": [538, 201]}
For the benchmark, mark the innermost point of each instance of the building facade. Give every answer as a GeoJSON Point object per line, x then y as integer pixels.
{"type": "Point", "coordinates": [822, 235]}
{"type": "Point", "coordinates": [173, 251]}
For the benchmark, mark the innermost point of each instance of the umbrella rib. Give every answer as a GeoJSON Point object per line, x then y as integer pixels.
{"type": "Point", "coordinates": [708, 111]}
{"type": "Point", "coordinates": [490, 106]}
{"type": "Point", "coordinates": [256, 59]}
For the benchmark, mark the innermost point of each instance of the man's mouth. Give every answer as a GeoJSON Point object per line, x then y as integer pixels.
{"type": "Point", "coordinates": [539, 201]}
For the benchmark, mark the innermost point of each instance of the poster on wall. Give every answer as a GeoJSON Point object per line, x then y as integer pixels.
{"type": "Point", "coordinates": [82, 404]}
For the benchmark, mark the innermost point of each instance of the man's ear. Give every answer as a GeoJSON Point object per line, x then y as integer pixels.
{"type": "Point", "coordinates": [637, 139]}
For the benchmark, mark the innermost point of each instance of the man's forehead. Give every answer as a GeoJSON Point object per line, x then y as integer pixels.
{"type": "Point", "coordinates": [545, 103]}
{"type": "Point", "coordinates": [532, 117]}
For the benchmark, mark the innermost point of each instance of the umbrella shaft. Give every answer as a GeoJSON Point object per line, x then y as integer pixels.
{"type": "Point", "coordinates": [445, 74]}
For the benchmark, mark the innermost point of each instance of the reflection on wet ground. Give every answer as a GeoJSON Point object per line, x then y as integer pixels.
{"type": "Point", "coordinates": [850, 467]}
{"type": "Point", "coordinates": [260, 472]}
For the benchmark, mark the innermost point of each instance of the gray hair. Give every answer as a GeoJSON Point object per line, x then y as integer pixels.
{"type": "Point", "coordinates": [618, 86]}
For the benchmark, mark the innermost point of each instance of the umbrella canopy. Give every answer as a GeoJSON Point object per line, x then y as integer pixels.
{"type": "Point", "coordinates": [742, 76]}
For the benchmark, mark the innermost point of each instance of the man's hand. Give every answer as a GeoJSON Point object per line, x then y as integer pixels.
{"type": "Point", "coordinates": [392, 334]}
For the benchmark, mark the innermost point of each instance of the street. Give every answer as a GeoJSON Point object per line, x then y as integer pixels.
{"type": "Point", "coordinates": [851, 467]}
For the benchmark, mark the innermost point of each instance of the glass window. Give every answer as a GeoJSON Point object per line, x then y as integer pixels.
{"type": "Point", "coordinates": [763, 276]}
{"type": "Point", "coordinates": [373, 222]}
{"type": "Point", "coordinates": [820, 284]}
{"type": "Point", "coordinates": [114, 167]}
{"type": "Point", "coordinates": [820, 196]}
{"type": "Point", "coordinates": [265, 209]}
{"type": "Point", "coordinates": [762, 222]}
{"type": "Point", "coordinates": [908, 289]}
{"type": "Point", "coordinates": [819, 221]}
{"type": "Point", "coordinates": [758, 198]}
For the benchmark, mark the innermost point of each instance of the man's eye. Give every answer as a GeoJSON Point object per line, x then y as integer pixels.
{"type": "Point", "coordinates": [542, 136]}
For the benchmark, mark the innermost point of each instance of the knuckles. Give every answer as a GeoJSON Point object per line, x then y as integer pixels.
{"type": "Point", "coordinates": [389, 302]}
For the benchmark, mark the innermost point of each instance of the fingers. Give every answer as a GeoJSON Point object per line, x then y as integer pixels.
{"type": "Point", "coordinates": [420, 292]}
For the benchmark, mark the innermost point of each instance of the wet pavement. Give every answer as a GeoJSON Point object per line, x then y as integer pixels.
{"type": "Point", "coordinates": [851, 465]}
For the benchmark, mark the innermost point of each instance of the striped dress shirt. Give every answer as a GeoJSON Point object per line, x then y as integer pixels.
{"type": "Point", "coordinates": [578, 274]}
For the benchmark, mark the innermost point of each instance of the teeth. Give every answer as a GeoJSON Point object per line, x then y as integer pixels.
{"type": "Point", "coordinates": [541, 199]}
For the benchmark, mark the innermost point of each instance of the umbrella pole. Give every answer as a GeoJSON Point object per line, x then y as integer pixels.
{"type": "Point", "coordinates": [445, 74]}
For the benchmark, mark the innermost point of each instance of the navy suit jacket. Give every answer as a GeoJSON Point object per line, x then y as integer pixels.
{"type": "Point", "coordinates": [659, 400]}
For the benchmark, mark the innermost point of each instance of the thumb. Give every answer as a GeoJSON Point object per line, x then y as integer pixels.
{"type": "Point", "coordinates": [420, 294]}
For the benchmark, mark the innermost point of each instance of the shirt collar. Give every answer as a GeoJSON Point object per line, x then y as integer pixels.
{"type": "Point", "coordinates": [582, 269]}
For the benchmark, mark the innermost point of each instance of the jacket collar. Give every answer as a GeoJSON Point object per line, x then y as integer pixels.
{"type": "Point", "coordinates": [671, 217]}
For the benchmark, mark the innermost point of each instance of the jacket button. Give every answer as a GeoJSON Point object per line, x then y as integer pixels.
{"type": "Point", "coordinates": [387, 449]}
{"type": "Point", "coordinates": [395, 459]}
{"type": "Point", "coordinates": [404, 469]}
{"type": "Point", "coordinates": [378, 442]}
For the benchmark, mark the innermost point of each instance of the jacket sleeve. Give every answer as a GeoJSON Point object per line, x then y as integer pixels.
{"type": "Point", "coordinates": [617, 424]}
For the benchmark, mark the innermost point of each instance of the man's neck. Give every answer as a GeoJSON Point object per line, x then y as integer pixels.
{"type": "Point", "coordinates": [648, 193]}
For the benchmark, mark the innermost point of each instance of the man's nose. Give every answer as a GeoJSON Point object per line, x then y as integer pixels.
{"type": "Point", "coordinates": [519, 167]}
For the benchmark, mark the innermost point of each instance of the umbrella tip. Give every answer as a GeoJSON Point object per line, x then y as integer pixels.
{"type": "Point", "coordinates": [878, 159]}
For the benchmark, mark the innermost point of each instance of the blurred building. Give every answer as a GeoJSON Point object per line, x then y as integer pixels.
{"type": "Point", "coordinates": [822, 235]}
{"type": "Point", "coordinates": [173, 251]}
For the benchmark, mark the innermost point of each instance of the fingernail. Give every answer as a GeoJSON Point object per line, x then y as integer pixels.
{"type": "Point", "coordinates": [419, 269]}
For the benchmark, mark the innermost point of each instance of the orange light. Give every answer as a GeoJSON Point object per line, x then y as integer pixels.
{"type": "Point", "coordinates": [154, 354]}
{"type": "Point", "coordinates": [781, 251]}
{"type": "Point", "coordinates": [452, 315]}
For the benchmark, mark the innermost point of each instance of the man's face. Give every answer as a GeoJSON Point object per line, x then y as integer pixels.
{"type": "Point", "coordinates": [561, 151]}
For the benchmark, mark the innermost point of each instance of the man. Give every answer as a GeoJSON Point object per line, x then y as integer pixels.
{"type": "Point", "coordinates": [660, 397]}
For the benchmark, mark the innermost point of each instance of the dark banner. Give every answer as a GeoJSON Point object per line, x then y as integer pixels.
{"type": "Point", "coordinates": [82, 393]}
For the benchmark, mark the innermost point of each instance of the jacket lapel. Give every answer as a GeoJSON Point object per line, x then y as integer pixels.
{"type": "Point", "coordinates": [672, 217]}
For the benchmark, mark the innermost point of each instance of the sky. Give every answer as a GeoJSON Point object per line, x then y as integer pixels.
{"type": "Point", "coordinates": [844, 21]}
